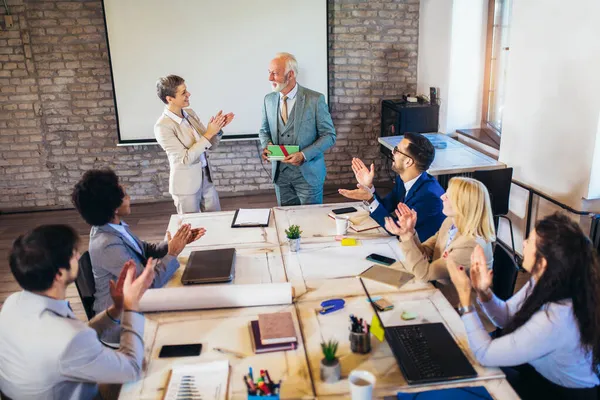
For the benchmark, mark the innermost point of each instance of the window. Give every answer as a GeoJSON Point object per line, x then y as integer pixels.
{"type": "Point", "coordinates": [496, 62]}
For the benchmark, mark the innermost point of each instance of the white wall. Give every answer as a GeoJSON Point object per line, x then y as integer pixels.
{"type": "Point", "coordinates": [452, 38]}
{"type": "Point", "coordinates": [433, 66]}
{"type": "Point", "coordinates": [552, 104]}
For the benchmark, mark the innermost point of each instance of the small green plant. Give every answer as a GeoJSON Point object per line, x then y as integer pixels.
{"type": "Point", "coordinates": [293, 232]}
{"type": "Point", "coordinates": [329, 349]}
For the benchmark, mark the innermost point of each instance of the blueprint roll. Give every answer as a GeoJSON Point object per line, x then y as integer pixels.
{"type": "Point", "coordinates": [198, 297]}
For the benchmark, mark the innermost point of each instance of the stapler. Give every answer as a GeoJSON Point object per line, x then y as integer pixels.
{"type": "Point", "coordinates": [329, 306]}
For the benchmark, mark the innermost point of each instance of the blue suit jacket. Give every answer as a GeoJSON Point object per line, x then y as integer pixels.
{"type": "Point", "coordinates": [423, 197]}
{"type": "Point", "coordinates": [313, 130]}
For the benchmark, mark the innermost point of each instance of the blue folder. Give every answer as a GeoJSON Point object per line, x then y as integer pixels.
{"type": "Point", "coordinates": [464, 393]}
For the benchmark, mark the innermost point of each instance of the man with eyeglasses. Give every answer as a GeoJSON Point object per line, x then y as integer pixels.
{"type": "Point", "coordinates": [413, 187]}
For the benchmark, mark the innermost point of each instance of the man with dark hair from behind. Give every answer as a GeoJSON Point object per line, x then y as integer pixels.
{"type": "Point", "coordinates": [413, 185]}
{"type": "Point", "coordinates": [47, 353]}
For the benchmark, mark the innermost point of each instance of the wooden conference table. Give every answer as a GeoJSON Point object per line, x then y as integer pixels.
{"type": "Point", "coordinates": [321, 270]}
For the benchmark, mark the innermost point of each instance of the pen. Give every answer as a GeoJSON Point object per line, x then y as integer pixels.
{"type": "Point", "coordinates": [233, 353]}
{"type": "Point", "coordinates": [250, 374]}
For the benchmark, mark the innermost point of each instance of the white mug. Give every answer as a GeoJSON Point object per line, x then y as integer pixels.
{"type": "Point", "coordinates": [341, 225]}
{"type": "Point", "coordinates": [361, 385]}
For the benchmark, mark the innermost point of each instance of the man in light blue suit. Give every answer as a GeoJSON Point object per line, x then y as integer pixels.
{"type": "Point", "coordinates": [295, 115]}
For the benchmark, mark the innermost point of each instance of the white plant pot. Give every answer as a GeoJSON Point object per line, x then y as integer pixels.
{"type": "Point", "coordinates": [331, 372]}
{"type": "Point", "coordinates": [294, 244]}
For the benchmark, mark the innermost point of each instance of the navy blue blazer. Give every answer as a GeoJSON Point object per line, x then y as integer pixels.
{"type": "Point", "coordinates": [423, 197]}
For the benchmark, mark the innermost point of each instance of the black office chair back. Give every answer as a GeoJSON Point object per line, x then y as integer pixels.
{"type": "Point", "coordinates": [498, 183]}
{"type": "Point", "coordinates": [506, 271]}
{"type": "Point", "coordinates": [86, 285]}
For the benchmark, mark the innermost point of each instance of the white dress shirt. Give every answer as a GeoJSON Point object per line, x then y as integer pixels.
{"type": "Point", "coordinates": [121, 229]}
{"type": "Point", "coordinates": [291, 100]}
{"type": "Point", "coordinates": [550, 340]}
{"type": "Point", "coordinates": [190, 129]}
{"type": "Point", "coordinates": [407, 186]}
{"type": "Point", "coordinates": [47, 353]}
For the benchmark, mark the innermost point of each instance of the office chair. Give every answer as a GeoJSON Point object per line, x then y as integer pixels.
{"type": "Point", "coordinates": [86, 287]}
{"type": "Point", "coordinates": [505, 270]}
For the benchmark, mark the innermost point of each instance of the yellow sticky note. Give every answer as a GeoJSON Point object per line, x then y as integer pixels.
{"type": "Point", "coordinates": [376, 328]}
{"type": "Point", "coordinates": [349, 242]}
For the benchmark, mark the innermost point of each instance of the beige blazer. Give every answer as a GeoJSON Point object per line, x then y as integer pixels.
{"type": "Point", "coordinates": [425, 260]}
{"type": "Point", "coordinates": [183, 151]}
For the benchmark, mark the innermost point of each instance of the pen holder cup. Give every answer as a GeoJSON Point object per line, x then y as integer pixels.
{"type": "Point", "coordinates": [360, 342]}
{"type": "Point", "coordinates": [255, 397]}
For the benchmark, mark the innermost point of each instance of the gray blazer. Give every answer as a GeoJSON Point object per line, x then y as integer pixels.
{"type": "Point", "coordinates": [49, 354]}
{"type": "Point", "coordinates": [313, 129]}
{"type": "Point", "coordinates": [109, 250]}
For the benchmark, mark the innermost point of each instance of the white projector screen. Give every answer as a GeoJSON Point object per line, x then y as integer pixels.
{"type": "Point", "coordinates": [222, 48]}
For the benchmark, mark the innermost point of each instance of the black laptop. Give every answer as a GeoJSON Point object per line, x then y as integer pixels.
{"type": "Point", "coordinates": [209, 266]}
{"type": "Point", "coordinates": [426, 353]}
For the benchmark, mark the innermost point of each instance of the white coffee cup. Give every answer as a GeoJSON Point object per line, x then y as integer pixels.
{"type": "Point", "coordinates": [341, 225]}
{"type": "Point", "coordinates": [361, 385]}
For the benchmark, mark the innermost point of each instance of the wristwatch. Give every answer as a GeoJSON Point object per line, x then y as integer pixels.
{"type": "Point", "coordinates": [465, 310]}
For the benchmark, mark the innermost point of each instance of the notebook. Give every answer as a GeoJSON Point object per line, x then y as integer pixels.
{"type": "Point", "coordinates": [387, 275]}
{"type": "Point", "coordinates": [278, 151]}
{"type": "Point", "coordinates": [276, 328]}
{"type": "Point", "coordinates": [360, 221]}
{"type": "Point", "coordinates": [249, 217]}
{"type": "Point", "coordinates": [206, 380]}
{"type": "Point", "coordinates": [209, 266]}
{"type": "Point", "coordinates": [260, 348]}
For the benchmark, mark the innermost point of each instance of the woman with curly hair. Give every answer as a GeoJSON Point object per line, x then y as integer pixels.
{"type": "Point", "coordinates": [103, 203]}
{"type": "Point", "coordinates": [552, 325]}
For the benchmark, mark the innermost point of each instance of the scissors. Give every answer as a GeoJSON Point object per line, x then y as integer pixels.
{"type": "Point", "coordinates": [329, 306]}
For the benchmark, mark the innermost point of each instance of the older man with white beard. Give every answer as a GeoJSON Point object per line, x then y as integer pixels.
{"type": "Point", "coordinates": [297, 116]}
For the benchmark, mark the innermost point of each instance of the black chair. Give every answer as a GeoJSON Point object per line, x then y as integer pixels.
{"type": "Point", "coordinates": [85, 284]}
{"type": "Point", "coordinates": [505, 270]}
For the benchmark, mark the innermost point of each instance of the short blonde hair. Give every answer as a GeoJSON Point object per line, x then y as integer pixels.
{"type": "Point", "coordinates": [471, 203]}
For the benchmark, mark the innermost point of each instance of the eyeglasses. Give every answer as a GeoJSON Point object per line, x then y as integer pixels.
{"type": "Point", "coordinates": [396, 150]}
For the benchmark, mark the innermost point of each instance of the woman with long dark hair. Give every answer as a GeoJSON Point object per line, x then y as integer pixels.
{"type": "Point", "coordinates": [552, 325]}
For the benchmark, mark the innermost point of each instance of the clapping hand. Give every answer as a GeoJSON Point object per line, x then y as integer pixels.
{"type": "Point", "coordinates": [182, 237]}
{"type": "Point", "coordinates": [360, 193]}
{"type": "Point", "coordinates": [363, 175]}
{"type": "Point", "coordinates": [481, 276]}
{"type": "Point", "coordinates": [197, 233]}
{"type": "Point", "coordinates": [461, 281]}
{"type": "Point", "coordinates": [116, 289]}
{"type": "Point", "coordinates": [134, 288]}
{"type": "Point", "coordinates": [216, 123]}
{"type": "Point", "coordinates": [407, 220]}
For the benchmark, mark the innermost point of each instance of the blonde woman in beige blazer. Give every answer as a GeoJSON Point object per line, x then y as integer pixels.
{"type": "Point", "coordinates": [469, 222]}
{"type": "Point", "coordinates": [186, 141]}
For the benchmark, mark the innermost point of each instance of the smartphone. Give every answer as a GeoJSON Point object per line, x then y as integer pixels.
{"type": "Point", "coordinates": [180, 350]}
{"type": "Point", "coordinates": [344, 210]}
{"type": "Point", "coordinates": [378, 258]}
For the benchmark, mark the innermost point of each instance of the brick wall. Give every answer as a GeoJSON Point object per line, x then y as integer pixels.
{"type": "Point", "coordinates": [57, 113]}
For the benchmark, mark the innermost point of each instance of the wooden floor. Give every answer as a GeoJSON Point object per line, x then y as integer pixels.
{"type": "Point", "coordinates": [149, 221]}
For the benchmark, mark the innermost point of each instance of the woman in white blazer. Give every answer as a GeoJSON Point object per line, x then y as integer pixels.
{"type": "Point", "coordinates": [186, 141]}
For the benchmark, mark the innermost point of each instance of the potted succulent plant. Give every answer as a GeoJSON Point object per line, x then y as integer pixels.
{"type": "Point", "coordinates": [293, 234]}
{"type": "Point", "coordinates": [330, 365]}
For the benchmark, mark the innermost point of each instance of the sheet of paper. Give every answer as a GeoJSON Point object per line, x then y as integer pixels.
{"type": "Point", "coordinates": [252, 216]}
{"type": "Point", "coordinates": [196, 297]}
{"type": "Point", "coordinates": [207, 381]}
